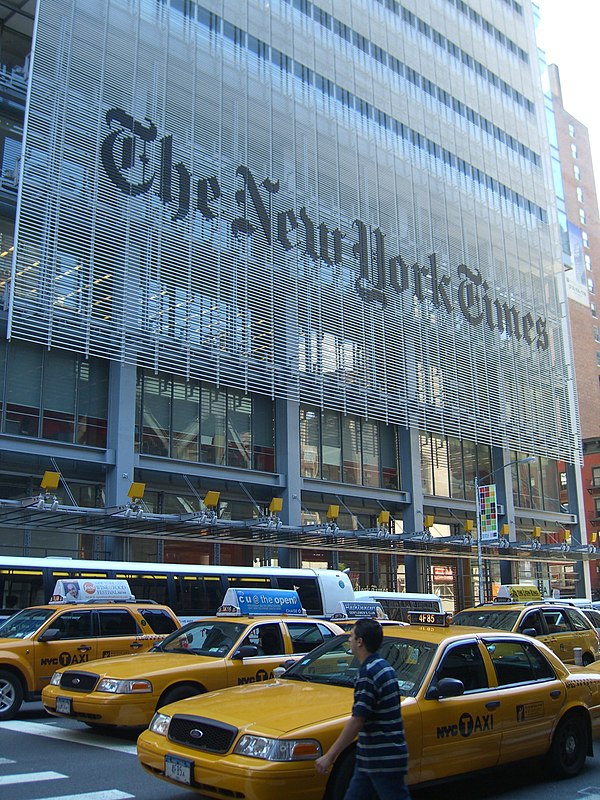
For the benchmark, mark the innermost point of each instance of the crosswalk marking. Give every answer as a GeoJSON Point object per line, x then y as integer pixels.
{"type": "Point", "coordinates": [7, 761]}
{"type": "Point", "coordinates": [106, 794]}
{"type": "Point", "coordinates": [30, 777]}
{"type": "Point", "coordinates": [68, 735]}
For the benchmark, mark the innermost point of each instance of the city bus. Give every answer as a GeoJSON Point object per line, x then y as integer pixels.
{"type": "Point", "coordinates": [397, 604]}
{"type": "Point", "coordinates": [190, 590]}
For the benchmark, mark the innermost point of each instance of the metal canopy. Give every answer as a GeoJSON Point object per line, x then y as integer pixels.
{"type": "Point", "coordinates": [34, 514]}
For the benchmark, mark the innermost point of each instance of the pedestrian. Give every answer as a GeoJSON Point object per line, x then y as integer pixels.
{"type": "Point", "coordinates": [381, 752]}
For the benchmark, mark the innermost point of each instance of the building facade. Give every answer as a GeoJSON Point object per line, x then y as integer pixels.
{"type": "Point", "coordinates": [581, 207]}
{"type": "Point", "coordinates": [294, 250]}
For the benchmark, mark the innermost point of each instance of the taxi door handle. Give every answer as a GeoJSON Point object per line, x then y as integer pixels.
{"type": "Point", "coordinates": [492, 705]}
{"type": "Point", "coordinates": [555, 693]}
{"type": "Point", "coordinates": [84, 648]}
{"type": "Point", "coordinates": [136, 645]}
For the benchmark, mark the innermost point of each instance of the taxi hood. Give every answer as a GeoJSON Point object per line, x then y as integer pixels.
{"type": "Point", "coordinates": [142, 665]}
{"type": "Point", "coordinates": [274, 708]}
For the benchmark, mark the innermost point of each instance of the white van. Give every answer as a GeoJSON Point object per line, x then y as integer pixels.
{"type": "Point", "coordinates": [397, 604]}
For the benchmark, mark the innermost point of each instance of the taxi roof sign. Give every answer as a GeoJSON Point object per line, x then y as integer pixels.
{"type": "Point", "coordinates": [517, 593]}
{"type": "Point", "coordinates": [85, 590]}
{"type": "Point", "coordinates": [358, 609]}
{"type": "Point", "coordinates": [261, 602]}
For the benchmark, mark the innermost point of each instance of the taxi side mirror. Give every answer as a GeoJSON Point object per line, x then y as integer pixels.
{"type": "Point", "coordinates": [245, 651]}
{"type": "Point", "coordinates": [530, 632]}
{"type": "Point", "coordinates": [283, 668]}
{"type": "Point", "coordinates": [50, 635]}
{"type": "Point", "coordinates": [445, 687]}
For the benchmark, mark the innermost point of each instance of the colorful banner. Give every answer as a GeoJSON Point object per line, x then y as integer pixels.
{"type": "Point", "coordinates": [488, 512]}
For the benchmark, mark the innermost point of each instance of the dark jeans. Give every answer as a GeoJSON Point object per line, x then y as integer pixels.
{"type": "Point", "coordinates": [377, 786]}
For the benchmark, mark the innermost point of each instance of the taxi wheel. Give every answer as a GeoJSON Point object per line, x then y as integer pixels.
{"type": "Point", "coordinates": [11, 695]}
{"type": "Point", "coordinates": [180, 692]}
{"type": "Point", "coordinates": [340, 777]}
{"type": "Point", "coordinates": [568, 751]}
{"type": "Point", "coordinates": [587, 659]}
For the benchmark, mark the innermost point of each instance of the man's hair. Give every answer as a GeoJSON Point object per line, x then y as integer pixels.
{"type": "Point", "coordinates": [371, 632]}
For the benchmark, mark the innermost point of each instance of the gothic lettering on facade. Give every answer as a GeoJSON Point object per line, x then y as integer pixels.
{"type": "Point", "coordinates": [127, 159]}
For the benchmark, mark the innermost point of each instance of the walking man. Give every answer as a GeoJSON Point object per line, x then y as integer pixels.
{"type": "Point", "coordinates": [381, 753]}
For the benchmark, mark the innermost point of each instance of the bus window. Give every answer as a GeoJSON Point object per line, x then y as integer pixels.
{"type": "Point", "coordinates": [21, 588]}
{"type": "Point", "coordinates": [147, 587]}
{"type": "Point", "coordinates": [258, 582]}
{"type": "Point", "coordinates": [308, 591]}
{"type": "Point", "coordinates": [198, 594]}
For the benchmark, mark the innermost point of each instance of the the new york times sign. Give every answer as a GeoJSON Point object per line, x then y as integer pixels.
{"type": "Point", "coordinates": [126, 151]}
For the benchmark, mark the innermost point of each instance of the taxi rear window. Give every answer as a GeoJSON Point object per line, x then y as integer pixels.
{"type": "Point", "coordinates": [502, 620]}
{"type": "Point", "coordinates": [159, 620]}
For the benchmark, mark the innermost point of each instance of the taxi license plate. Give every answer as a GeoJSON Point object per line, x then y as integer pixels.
{"type": "Point", "coordinates": [63, 705]}
{"type": "Point", "coordinates": [178, 769]}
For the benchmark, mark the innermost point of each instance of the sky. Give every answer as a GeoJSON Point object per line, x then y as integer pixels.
{"type": "Point", "coordinates": [570, 35]}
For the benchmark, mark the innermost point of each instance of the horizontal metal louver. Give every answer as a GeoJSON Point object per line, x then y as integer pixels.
{"type": "Point", "coordinates": [194, 200]}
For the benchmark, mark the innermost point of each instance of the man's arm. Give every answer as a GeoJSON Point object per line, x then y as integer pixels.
{"type": "Point", "coordinates": [347, 736]}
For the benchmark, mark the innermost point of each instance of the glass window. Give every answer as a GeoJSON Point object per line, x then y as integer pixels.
{"type": "Point", "coordinates": [457, 485]}
{"type": "Point", "coordinates": [147, 587]}
{"type": "Point", "coordinates": [585, 239]}
{"type": "Point", "coordinates": [571, 129]}
{"type": "Point", "coordinates": [74, 625]}
{"type": "Point", "coordinates": [588, 262]}
{"type": "Point", "coordinates": [239, 430]}
{"type": "Point", "coordinates": [332, 446]}
{"type": "Point", "coordinates": [426, 463]}
{"type": "Point", "coordinates": [593, 310]}
{"type": "Point", "coordinates": [306, 636]}
{"type": "Point", "coordinates": [310, 446]}
{"type": "Point", "coordinates": [351, 449]}
{"type": "Point", "coordinates": [574, 150]}
{"type": "Point", "coordinates": [550, 484]}
{"type": "Point", "coordinates": [212, 425]}
{"type": "Point", "coordinates": [117, 622]}
{"type": "Point", "coordinates": [577, 172]}
{"type": "Point", "coordinates": [198, 594]}
{"type": "Point", "coordinates": [595, 476]}
{"type": "Point", "coordinates": [464, 662]}
{"type": "Point", "coordinates": [263, 434]}
{"type": "Point", "coordinates": [441, 470]}
{"type": "Point", "coordinates": [270, 640]}
{"type": "Point", "coordinates": [388, 448]}
{"type": "Point", "coordinates": [156, 422]}
{"type": "Point", "coordinates": [92, 405]}
{"type": "Point", "coordinates": [582, 216]}
{"type": "Point", "coordinates": [579, 192]}
{"type": "Point", "coordinates": [186, 419]}
{"type": "Point", "coordinates": [518, 662]}
{"type": "Point", "coordinates": [370, 453]}
{"type": "Point", "coordinates": [578, 621]}
{"type": "Point", "coordinates": [58, 396]}
{"type": "Point", "coordinates": [23, 382]}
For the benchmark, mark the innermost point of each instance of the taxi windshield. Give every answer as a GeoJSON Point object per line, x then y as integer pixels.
{"type": "Point", "coordinates": [25, 623]}
{"type": "Point", "coordinates": [501, 619]}
{"type": "Point", "coordinates": [333, 663]}
{"type": "Point", "coordinates": [208, 638]}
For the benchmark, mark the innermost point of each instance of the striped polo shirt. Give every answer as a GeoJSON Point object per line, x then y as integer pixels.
{"type": "Point", "coordinates": [381, 744]}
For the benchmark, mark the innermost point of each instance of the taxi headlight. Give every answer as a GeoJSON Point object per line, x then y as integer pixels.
{"type": "Point", "coordinates": [55, 679]}
{"type": "Point", "coordinates": [278, 749]}
{"type": "Point", "coordinates": [115, 686]}
{"type": "Point", "coordinates": [160, 724]}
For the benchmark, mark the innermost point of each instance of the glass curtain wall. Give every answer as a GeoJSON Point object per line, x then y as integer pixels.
{"type": "Point", "coordinates": [193, 421]}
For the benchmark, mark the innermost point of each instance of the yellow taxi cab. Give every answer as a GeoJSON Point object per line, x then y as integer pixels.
{"type": "Point", "coordinates": [86, 620]}
{"type": "Point", "coordinates": [252, 634]}
{"type": "Point", "coordinates": [472, 699]}
{"type": "Point", "coordinates": [347, 612]}
{"type": "Point", "coordinates": [559, 624]}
